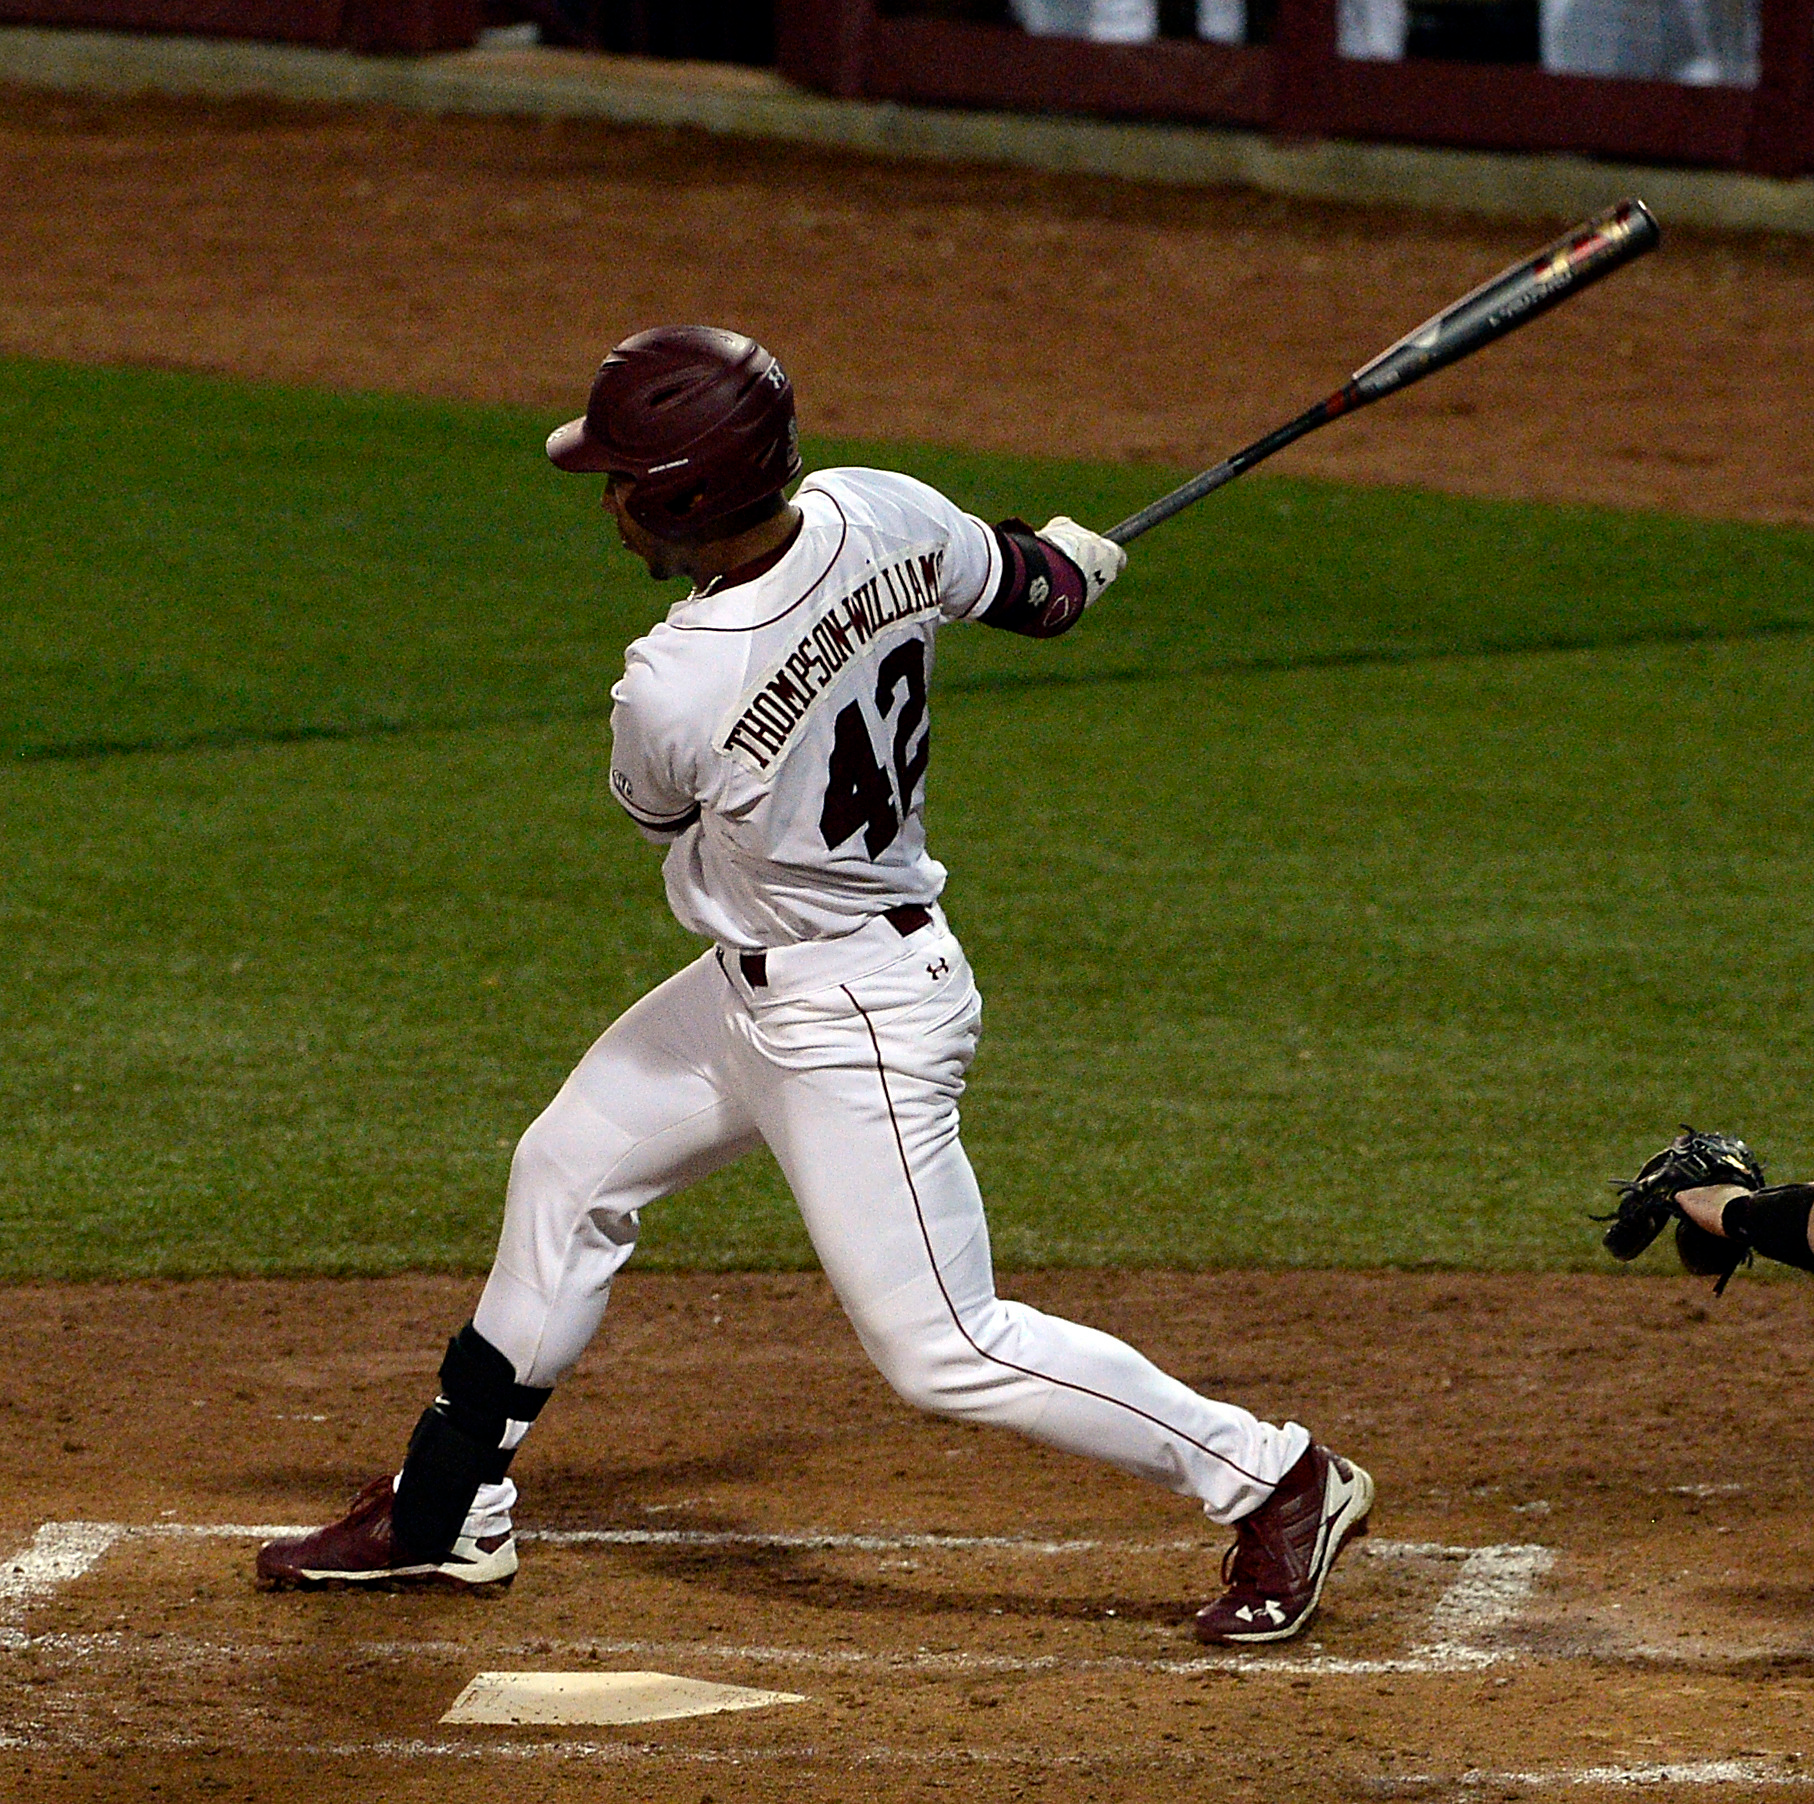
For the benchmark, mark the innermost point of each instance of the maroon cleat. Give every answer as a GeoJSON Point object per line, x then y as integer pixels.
{"type": "Point", "coordinates": [1283, 1552]}
{"type": "Point", "coordinates": [357, 1550]}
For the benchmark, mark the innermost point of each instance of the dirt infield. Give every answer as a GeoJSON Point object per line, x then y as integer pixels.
{"type": "Point", "coordinates": [1593, 1562]}
{"type": "Point", "coordinates": [495, 260]}
{"type": "Point", "coordinates": [1593, 1552]}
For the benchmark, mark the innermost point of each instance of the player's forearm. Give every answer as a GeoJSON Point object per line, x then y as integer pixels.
{"type": "Point", "coordinates": [1773, 1222]}
{"type": "Point", "coordinates": [1049, 577]}
{"type": "Point", "coordinates": [1706, 1206]}
{"type": "Point", "coordinates": [1777, 1222]}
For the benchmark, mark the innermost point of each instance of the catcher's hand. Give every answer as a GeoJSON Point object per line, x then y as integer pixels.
{"type": "Point", "coordinates": [1689, 1162]}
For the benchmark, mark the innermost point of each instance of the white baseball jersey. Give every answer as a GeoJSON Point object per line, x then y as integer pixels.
{"type": "Point", "coordinates": [776, 733]}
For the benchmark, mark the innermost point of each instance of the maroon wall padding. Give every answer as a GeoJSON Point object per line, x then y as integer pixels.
{"type": "Point", "coordinates": [413, 26]}
{"type": "Point", "coordinates": [1299, 87]}
{"type": "Point", "coordinates": [1303, 36]}
{"type": "Point", "coordinates": [1782, 127]}
{"type": "Point", "coordinates": [1500, 108]}
{"type": "Point", "coordinates": [288, 21]}
{"type": "Point", "coordinates": [823, 44]}
{"type": "Point", "coordinates": [997, 66]}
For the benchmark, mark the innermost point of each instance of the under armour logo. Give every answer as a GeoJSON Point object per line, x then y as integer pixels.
{"type": "Point", "coordinates": [1269, 1609]}
{"type": "Point", "coordinates": [937, 969]}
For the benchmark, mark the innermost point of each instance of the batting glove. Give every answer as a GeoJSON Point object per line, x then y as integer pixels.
{"type": "Point", "coordinates": [1101, 560]}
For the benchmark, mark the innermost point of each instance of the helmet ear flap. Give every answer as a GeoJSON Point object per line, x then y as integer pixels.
{"type": "Point", "coordinates": [677, 529]}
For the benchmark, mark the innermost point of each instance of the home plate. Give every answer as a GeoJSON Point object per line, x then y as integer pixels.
{"type": "Point", "coordinates": [600, 1697]}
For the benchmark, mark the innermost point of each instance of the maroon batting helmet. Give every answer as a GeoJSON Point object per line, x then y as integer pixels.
{"type": "Point", "coordinates": [700, 419]}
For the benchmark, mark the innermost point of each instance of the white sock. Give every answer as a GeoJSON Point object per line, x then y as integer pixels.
{"type": "Point", "coordinates": [490, 1512]}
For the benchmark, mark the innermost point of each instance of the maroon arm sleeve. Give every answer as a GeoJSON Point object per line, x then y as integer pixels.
{"type": "Point", "coordinates": [1041, 593]}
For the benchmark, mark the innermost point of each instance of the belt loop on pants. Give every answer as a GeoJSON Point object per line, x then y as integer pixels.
{"type": "Point", "coordinates": [910, 917]}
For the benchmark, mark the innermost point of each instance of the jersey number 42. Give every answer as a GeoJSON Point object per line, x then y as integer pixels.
{"type": "Point", "coordinates": [858, 793]}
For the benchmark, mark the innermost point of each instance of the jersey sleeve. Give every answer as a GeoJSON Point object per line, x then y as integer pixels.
{"type": "Point", "coordinates": [973, 567]}
{"type": "Point", "coordinates": [970, 569]}
{"type": "Point", "coordinates": [653, 768]}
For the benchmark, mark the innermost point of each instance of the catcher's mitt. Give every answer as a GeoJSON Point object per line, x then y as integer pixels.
{"type": "Point", "coordinates": [1709, 1255]}
{"type": "Point", "coordinates": [1647, 1202]}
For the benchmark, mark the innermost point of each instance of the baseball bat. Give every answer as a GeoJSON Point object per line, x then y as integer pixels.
{"type": "Point", "coordinates": [1579, 258]}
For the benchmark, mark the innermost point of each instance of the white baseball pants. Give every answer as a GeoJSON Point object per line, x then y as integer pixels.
{"type": "Point", "coordinates": [848, 1061]}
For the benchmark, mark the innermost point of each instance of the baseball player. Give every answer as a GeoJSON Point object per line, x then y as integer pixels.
{"type": "Point", "coordinates": [771, 733]}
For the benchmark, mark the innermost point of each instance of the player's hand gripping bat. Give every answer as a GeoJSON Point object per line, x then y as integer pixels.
{"type": "Point", "coordinates": [1577, 259]}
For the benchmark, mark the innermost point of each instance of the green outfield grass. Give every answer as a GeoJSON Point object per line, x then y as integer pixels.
{"type": "Point", "coordinates": [1325, 912]}
{"type": "Point", "coordinates": [192, 562]}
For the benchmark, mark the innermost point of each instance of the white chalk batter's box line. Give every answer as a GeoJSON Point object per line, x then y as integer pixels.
{"type": "Point", "coordinates": [1752, 1774]}
{"type": "Point", "coordinates": [1488, 1591]}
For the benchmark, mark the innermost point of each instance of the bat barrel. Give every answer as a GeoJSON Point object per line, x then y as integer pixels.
{"type": "Point", "coordinates": [1560, 270]}
{"type": "Point", "coordinates": [1575, 260]}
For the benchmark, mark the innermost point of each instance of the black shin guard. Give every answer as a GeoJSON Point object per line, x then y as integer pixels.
{"type": "Point", "coordinates": [441, 1475]}
{"type": "Point", "coordinates": [457, 1446]}
{"type": "Point", "coordinates": [1774, 1222]}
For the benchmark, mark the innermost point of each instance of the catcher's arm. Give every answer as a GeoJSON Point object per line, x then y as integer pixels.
{"type": "Point", "coordinates": [1706, 1207]}
{"type": "Point", "coordinates": [1651, 1200]}
{"type": "Point", "coordinates": [1722, 1225]}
